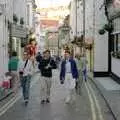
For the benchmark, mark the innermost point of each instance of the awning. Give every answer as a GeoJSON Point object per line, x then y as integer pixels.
{"type": "Point", "coordinates": [114, 33]}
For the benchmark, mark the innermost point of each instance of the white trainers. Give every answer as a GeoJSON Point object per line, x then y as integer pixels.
{"type": "Point", "coordinates": [67, 100]}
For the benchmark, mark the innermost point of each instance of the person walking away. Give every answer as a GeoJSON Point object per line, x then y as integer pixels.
{"type": "Point", "coordinates": [81, 63]}
{"type": "Point", "coordinates": [46, 65]}
{"type": "Point", "coordinates": [68, 75]}
{"type": "Point", "coordinates": [84, 66]}
{"type": "Point", "coordinates": [25, 71]}
{"type": "Point", "coordinates": [38, 59]}
{"type": "Point", "coordinates": [78, 67]}
{"type": "Point", "coordinates": [13, 70]}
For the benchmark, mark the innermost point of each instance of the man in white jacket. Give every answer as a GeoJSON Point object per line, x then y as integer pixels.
{"type": "Point", "coordinates": [25, 71]}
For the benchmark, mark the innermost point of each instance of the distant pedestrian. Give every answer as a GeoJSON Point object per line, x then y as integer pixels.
{"type": "Point", "coordinates": [13, 70]}
{"type": "Point", "coordinates": [25, 71]}
{"type": "Point", "coordinates": [38, 57]}
{"type": "Point", "coordinates": [78, 67]}
{"type": "Point", "coordinates": [31, 50]}
{"type": "Point", "coordinates": [84, 66]}
{"type": "Point", "coordinates": [46, 65]}
{"type": "Point", "coordinates": [57, 61]}
{"type": "Point", "coordinates": [68, 75]}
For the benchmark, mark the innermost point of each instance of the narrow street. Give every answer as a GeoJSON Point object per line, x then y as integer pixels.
{"type": "Point", "coordinates": [89, 106]}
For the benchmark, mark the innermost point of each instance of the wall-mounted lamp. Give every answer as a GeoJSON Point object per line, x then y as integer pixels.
{"type": "Point", "coordinates": [1, 9]}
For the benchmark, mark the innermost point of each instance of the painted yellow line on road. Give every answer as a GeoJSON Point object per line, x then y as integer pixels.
{"type": "Point", "coordinates": [91, 103]}
{"type": "Point", "coordinates": [96, 102]}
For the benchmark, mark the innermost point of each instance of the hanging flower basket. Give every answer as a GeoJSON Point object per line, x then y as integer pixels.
{"type": "Point", "coordinates": [101, 31]}
{"type": "Point", "coordinates": [9, 24]}
{"type": "Point", "coordinates": [22, 21]}
{"type": "Point", "coordinates": [108, 27]}
{"type": "Point", "coordinates": [15, 18]}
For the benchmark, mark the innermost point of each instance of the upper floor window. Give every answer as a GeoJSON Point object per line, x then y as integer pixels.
{"type": "Point", "coordinates": [28, 14]}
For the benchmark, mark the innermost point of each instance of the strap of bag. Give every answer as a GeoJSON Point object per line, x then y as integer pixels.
{"type": "Point", "coordinates": [25, 64]}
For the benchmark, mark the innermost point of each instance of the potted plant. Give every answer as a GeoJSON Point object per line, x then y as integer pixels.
{"type": "Point", "coordinates": [22, 21]}
{"type": "Point", "coordinates": [101, 31]}
{"type": "Point", "coordinates": [9, 24]}
{"type": "Point", "coordinates": [15, 18]}
{"type": "Point", "coordinates": [108, 27]}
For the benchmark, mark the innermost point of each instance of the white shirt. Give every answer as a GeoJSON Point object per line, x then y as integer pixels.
{"type": "Point", "coordinates": [68, 66]}
{"type": "Point", "coordinates": [28, 70]}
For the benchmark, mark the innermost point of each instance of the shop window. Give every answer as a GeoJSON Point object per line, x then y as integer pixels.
{"type": "Point", "coordinates": [115, 42]}
{"type": "Point", "coordinates": [116, 52]}
{"type": "Point", "coordinates": [28, 14]}
{"type": "Point", "coordinates": [118, 43]}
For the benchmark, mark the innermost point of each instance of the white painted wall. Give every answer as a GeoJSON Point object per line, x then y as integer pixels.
{"type": "Point", "coordinates": [116, 66]}
{"type": "Point", "coordinates": [101, 41]}
{"type": "Point", "coordinates": [89, 18]}
{"type": "Point", "coordinates": [73, 19]}
{"type": "Point", "coordinates": [19, 8]}
{"type": "Point", "coordinates": [29, 5]}
{"type": "Point", "coordinates": [7, 15]}
{"type": "Point", "coordinates": [79, 18]}
{"type": "Point", "coordinates": [31, 13]}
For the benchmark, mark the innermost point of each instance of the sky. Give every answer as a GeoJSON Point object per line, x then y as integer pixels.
{"type": "Point", "coordinates": [51, 3]}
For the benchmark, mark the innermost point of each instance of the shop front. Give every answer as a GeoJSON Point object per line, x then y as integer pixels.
{"type": "Point", "coordinates": [18, 38]}
{"type": "Point", "coordinates": [115, 54]}
{"type": "Point", "coordinates": [114, 39]}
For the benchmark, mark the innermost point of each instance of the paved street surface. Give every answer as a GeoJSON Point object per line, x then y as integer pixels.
{"type": "Point", "coordinates": [89, 106]}
{"type": "Point", "coordinates": [111, 92]}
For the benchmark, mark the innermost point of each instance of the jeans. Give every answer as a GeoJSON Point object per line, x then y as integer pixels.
{"type": "Point", "coordinates": [85, 75]}
{"type": "Point", "coordinates": [25, 80]}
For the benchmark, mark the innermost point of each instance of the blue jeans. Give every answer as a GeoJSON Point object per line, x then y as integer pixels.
{"type": "Point", "coordinates": [85, 75]}
{"type": "Point", "coordinates": [25, 80]}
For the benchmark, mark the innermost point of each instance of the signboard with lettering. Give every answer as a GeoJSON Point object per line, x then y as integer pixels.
{"type": "Point", "coordinates": [18, 31]}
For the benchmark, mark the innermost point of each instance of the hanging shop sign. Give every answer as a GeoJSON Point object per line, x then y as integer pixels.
{"type": "Point", "coordinates": [18, 31]}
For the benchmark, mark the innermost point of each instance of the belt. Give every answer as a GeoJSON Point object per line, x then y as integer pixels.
{"type": "Point", "coordinates": [68, 72]}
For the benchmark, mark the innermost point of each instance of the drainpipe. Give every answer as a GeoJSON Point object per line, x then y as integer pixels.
{"type": "Point", "coordinates": [76, 16]}
{"type": "Point", "coordinates": [84, 49]}
{"type": "Point", "coordinates": [109, 38]}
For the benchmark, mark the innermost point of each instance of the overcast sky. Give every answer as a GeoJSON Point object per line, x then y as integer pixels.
{"type": "Point", "coordinates": [50, 3]}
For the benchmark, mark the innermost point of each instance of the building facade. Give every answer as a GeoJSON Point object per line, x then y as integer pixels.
{"type": "Point", "coordinates": [31, 12]}
{"type": "Point", "coordinates": [52, 41]}
{"type": "Point", "coordinates": [6, 14]}
{"type": "Point", "coordinates": [113, 15]}
{"type": "Point", "coordinates": [13, 23]}
{"type": "Point", "coordinates": [90, 17]}
{"type": "Point", "coordinates": [100, 47]}
{"type": "Point", "coordinates": [18, 30]}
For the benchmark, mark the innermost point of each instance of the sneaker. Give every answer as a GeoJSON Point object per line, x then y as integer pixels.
{"type": "Point", "coordinates": [42, 101]}
{"type": "Point", "coordinates": [26, 102]}
{"type": "Point", "coordinates": [67, 100]}
{"type": "Point", "coordinates": [47, 101]}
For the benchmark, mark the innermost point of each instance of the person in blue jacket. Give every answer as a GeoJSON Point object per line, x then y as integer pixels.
{"type": "Point", "coordinates": [68, 74]}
